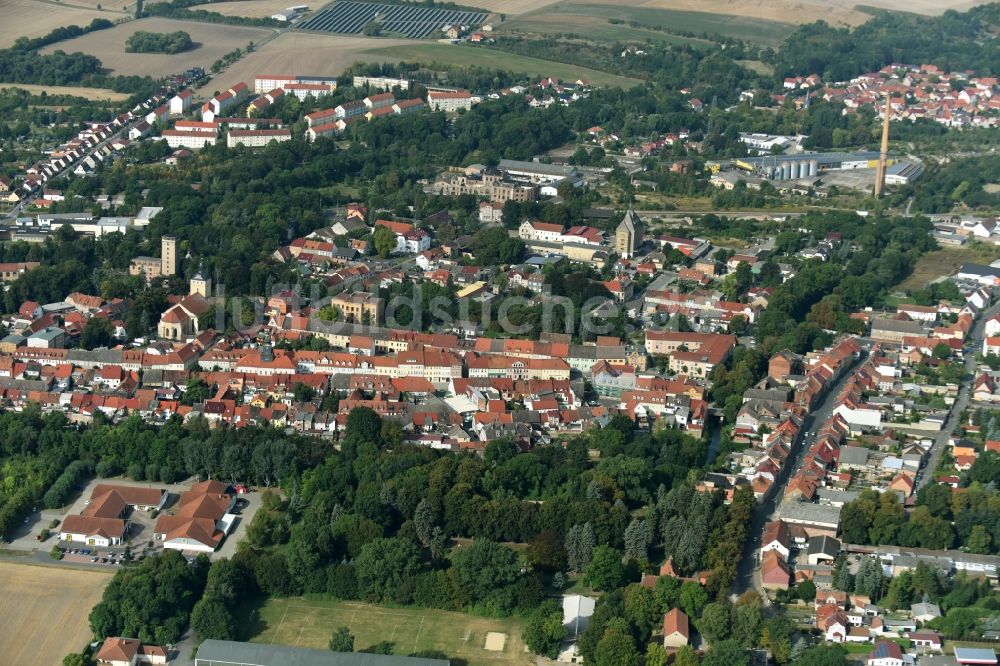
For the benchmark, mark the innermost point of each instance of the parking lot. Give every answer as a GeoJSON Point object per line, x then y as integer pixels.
{"type": "Point", "coordinates": [108, 557]}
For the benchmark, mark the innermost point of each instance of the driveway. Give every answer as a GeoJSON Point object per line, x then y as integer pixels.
{"type": "Point", "coordinates": [250, 504]}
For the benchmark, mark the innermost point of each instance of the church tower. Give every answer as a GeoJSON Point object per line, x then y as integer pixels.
{"type": "Point", "coordinates": [201, 283]}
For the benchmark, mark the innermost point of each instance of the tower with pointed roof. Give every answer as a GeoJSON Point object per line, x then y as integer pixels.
{"type": "Point", "coordinates": [201, 283]}
{"type": "Point", "coordinates": [628, 235]}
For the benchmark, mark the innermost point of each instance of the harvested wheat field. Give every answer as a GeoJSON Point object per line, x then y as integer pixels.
{"type": "Point", "coordinates": [212, 41]}
{"type": "Point", "coordinates": [251, 8]}
{"type": "Point", "coordinates": [95, 94]}
{"type": "Point", "coordinates": [32, 18]}
{"type": "Point", "coordinates": [512, 7]}
{"type": "Point", "coordinates": [304, 53]}
{"type": "Point", "coordinates": [44, 611]}
{"type": "Point", "coordinates": [781, 11]}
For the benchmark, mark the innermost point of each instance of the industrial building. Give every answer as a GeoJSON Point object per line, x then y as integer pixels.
{"type": "Point", "coordinates": [806, 165]}
{"type": "Point", "coordinates": [903, 172]}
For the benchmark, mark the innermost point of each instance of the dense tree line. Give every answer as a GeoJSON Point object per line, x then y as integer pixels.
{"type": "Point", "coordinates": [23, 64]}
{"type": "Point", "coordinates": [960, 182]}
{"type": "Point", "coordinates": [374, 521]}
{"type": "Point", "coordinates": [954, 41]}
{"type": "Point", "coordinates": [151, 601]}
{"type": "Point", "coordinates": [59, 34]}
{"type": "Point", "coordinates": [180, 9]}
{"type": "Point", "coordinates": [69, 481]}
{"type": "Point", "coordinates": [143, 41]}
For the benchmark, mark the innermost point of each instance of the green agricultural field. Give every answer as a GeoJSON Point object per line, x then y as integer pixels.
{"type": "Point", "coordinates": [308, 622]}
{"type": "Point", "coordinates": [739, 27]}
{"type": "Point", "coordinates": [449, 55]}
{"type": "Point", "coordinates": [590, 27]}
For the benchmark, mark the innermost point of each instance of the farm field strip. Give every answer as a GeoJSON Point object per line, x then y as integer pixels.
{"type": "Point", "coordinates": [93, 94]}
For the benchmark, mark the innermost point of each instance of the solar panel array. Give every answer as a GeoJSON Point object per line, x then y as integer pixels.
{"type": "Point", "coordinates": [414, 22]}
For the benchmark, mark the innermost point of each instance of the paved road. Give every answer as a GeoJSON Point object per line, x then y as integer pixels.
{"type": "Point", "coordinates": [746, 569]}
{"type": "Point", "coordinates": [974, 345]}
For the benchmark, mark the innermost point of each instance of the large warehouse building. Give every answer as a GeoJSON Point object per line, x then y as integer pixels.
{"type": "Point", "coordinates": [806, 165]}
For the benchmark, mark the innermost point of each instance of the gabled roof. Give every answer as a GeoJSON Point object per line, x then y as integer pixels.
{"type": "Point", "coordinates": [886, 650]}
{"type": "Point", "coordinates": [118, 649]}
{"type": "Point", "coordinates": [676, 621]}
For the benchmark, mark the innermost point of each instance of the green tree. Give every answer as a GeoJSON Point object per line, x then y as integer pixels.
{"type": "Point", "coordinates": [483, 569]}
{"type": "Point", "coordinates": [383, 564]}
{"type": "Point", "coordinates": [616, 647]}
{"type": "Point", "coordinates": [748, 624]}
{"type": "Point", "coordinates": [806, 590]}
{"type": "Point", "coordinates": [211, 618]}
{"type": "Point", "coordinates": [97, 333]}
{"type": "Point", "coordinates": [693, 598]}
{"type": "Point", "coordinates": [870, 580]}
{"type": "Point", "coordinates": [716, 622]}
{"type": "Point", "coordinates": [605, 571]}
{"type": "Point", "coordinates": [638, 539]}
{"type": "Point", "coordinates": [941, 351]}
{"type": "Point", "coordinates": [580, 543]}
{"type": "Point", "coordinates": [342, 640]}
{"type": "Point", "coordinates": [384, 239]}
{"type": "Point", "coordinates": [686, 656]}
{"type": "Point", "coordinates": [656, 655]}
{"type": "Point", "coordinates": [726, 653]}
{"type": "Point", "coordinates": [546, 551]}
{"type": "Point", "coordinates": [823, 655]}
{"type": "Point", "coordinates": [544, 630]}
{"type": "Point", "coordinates": [979, 540]}
{"type": "Point", "coordinates": [842, 579]}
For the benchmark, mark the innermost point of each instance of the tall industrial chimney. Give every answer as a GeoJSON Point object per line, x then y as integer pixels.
{"type": "Point", "coordinates": [884, 154]}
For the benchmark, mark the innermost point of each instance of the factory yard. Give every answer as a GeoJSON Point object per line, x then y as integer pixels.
{"type": "Point", "coordinates": [45, 611]}
{"type": "Point", "coordinates": [212, 41]}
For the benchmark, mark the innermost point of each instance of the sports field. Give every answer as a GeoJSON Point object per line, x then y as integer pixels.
{"type": "Point", "coordinates": [491, 58]}
{"type": "Point", "coordinates": [44, 611]}
{"type": "Point", "coordinates": [310, 623]}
